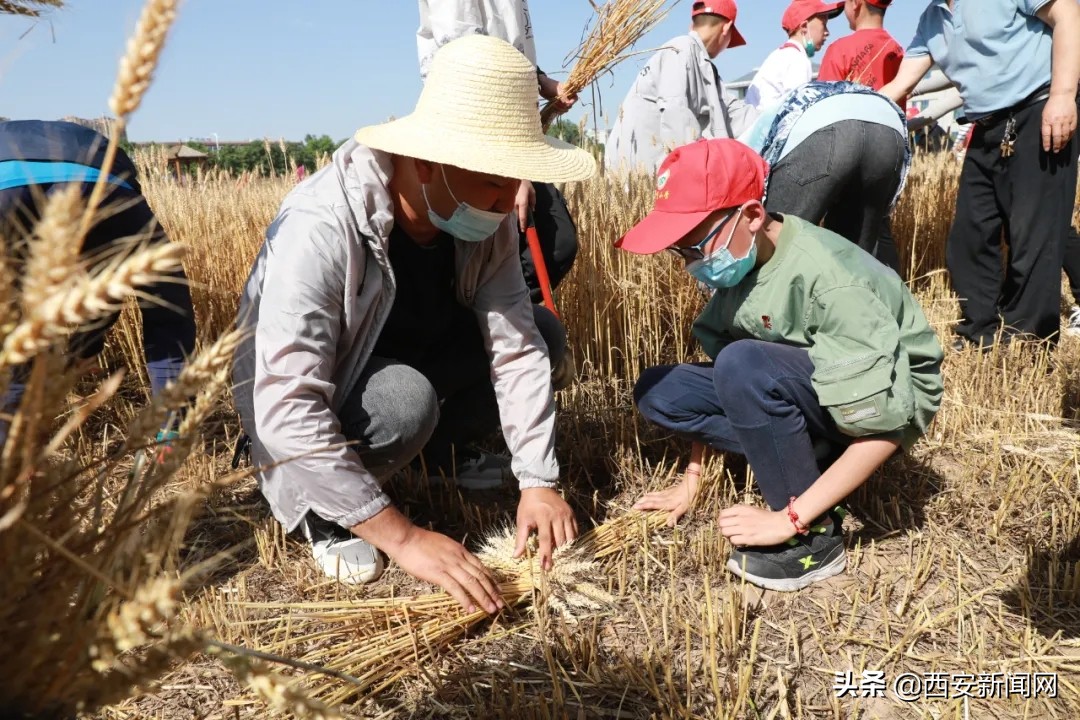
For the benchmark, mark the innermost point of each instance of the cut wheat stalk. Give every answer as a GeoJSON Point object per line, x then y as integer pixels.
{"type": "Point", "coordinates": [402, 634]}
{"type": "Point", "coordinates": [617, 26]}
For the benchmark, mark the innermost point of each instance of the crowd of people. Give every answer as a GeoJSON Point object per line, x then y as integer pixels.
{"type": "Point", "coordinates": [393, 309]}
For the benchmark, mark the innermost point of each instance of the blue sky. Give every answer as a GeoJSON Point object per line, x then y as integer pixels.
{"type": "Point", "coordinates": [248, 69]}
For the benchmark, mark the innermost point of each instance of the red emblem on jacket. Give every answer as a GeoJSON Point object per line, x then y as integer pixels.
{"type": "Point", "coordinates": [767, 322]}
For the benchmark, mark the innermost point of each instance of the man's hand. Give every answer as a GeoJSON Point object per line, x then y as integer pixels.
{"type": "Point", "coordinates": [677, 499]}
{"type": "Point", "coordinates": [524, 203]}
{"type": "Point", "coordinates": [544, 511]}
{"type": "Point", "coordinates": [1058, 121]}
{"type": "Point", "coordinates": [754, 526]}
{"type": "Point", "coordinates": [556, 92]}
{"type": "Point", "coordinates": [437, 559]}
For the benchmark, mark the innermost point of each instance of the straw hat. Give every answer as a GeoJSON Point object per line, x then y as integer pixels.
{"type": "Point", "coordinates": [478, 112]}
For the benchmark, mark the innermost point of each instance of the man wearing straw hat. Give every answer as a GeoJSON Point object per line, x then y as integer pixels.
{"type": "Point", "coordinates": [389, 317]}
{"type": "Point", "coordinates": [509, 20]}
{"type": "Point", "coordinates": [678, 96]}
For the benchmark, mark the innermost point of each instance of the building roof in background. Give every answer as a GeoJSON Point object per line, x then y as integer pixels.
{"type": "Point", "coordinates": [183, 152]}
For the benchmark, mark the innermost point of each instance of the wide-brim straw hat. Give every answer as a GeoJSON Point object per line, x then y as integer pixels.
{"type": "Point", "coordinates": [478, 111]}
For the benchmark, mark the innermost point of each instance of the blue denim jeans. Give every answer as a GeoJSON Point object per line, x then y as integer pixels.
{"type": "Point", "coordinates": [755, 400]}
{"type": "Point", "coordinates": [845, 174]}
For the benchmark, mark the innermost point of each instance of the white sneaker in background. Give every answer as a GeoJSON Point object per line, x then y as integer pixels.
{"type": "Point", "coordinates": [1072, 323]}
{"type": "Point", "coordinates": [339, 553]}
{"type": "Point", "coordinates": [479, 471]}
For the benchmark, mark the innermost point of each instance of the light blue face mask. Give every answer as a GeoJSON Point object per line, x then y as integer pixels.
{"type": "Point", "coordinates": [720, 269]}
{"type": "Point", "coordinates": [467, 223]}
{"type": "Point", "coordinates": [810, 47]}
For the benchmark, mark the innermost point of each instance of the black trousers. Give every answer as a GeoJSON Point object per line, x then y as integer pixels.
{"type": "Point", "coordinates": [458, 370]}
{"type": "Point", "coordinates": [845, 174]}
{"type": "Point", "coordinates": [558, 239]}
{"type": "Point", "coordinates": [1028, 199]}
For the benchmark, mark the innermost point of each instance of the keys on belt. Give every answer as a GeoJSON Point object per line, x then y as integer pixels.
{"type": "Point", "coordinates": [1008, 139]}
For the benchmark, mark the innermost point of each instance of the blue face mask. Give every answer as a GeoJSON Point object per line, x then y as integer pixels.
{"type": "Point", "coordinates": [467, 223]}
{"type": "Point", "coordinates": [809, 46]}
{"type": "Point", "coordinates": [720, 269]}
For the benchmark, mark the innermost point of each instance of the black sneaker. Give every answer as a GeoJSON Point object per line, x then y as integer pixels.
{"type": "Point", "coordinates": [801, 561]}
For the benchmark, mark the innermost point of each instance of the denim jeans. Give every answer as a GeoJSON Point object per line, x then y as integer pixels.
{"type": "Point", "coordinates": [755, 400]}
{"type": "Point", "coordinates": [845, 174]}
{"type": "Point", "coordinates": [441, 401]}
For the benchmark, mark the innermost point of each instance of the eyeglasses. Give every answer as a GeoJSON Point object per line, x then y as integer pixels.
{"type": "Point", "coordinates": [697, 252]}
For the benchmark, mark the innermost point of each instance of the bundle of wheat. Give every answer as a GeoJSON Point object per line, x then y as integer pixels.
{"type": "Point", "coordinates": [401, 635]}
{"type": "Point", "coordinates": [618, 25]}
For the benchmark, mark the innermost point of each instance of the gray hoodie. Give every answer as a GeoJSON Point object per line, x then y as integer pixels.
{"type": "Point", "coordinates": [316, 300]}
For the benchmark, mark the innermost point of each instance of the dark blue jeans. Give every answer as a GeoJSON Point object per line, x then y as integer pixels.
{"type": "Point", "coordinates": [845, 174]}
{"type": "Point", "coordinates": [755, 400]}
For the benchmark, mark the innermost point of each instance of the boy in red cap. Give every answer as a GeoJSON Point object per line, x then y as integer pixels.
{"type": "Point", "coordinates": [678, 96]}
{"type": "Point", "coordinates": [870, 55]}
{"type": "Point", "coordinates": [788, 67]}
{"type": "Point", "coordinates": [822, 363]}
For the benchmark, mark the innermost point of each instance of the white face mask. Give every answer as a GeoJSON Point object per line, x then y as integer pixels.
{"type": "Point", "coordinates": [467, 223]}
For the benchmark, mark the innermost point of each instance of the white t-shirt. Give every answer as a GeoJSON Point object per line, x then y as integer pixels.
{"type": "Point", "coordinates": [785, 69]}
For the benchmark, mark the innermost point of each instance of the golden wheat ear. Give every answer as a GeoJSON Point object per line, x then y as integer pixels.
{"type": "Point", "coordinates": [618, 25]}
{"type": "Point", "coordinates": [28, 8]}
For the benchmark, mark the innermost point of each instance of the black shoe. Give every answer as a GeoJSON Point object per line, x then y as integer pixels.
{"type": "Point", "coordinates": [801, 561]}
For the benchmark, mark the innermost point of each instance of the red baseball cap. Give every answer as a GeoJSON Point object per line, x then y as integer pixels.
{"type": "Point", "coordinates": [880, 4]}
{"type": "Point", "coordinates": [800, 11]}
{"type": "Point", "coordinates": [724, 8]}
{"type": "Point", "coordinates": [695, 181]}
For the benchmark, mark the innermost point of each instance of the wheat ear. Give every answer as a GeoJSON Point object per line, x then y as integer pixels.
{"type": "Point", "coordinates": [54, 249]}
{"type": "Point", "coordinates": [90, 299]}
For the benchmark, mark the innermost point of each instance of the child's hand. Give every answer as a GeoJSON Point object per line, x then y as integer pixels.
{"type": "Point", "coordinates": [677, 498]}
{"type": "Point", "coordinates": [745, 525]}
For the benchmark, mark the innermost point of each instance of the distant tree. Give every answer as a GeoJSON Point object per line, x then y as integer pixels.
{"type": "Point", "coordinates": [566, 131]}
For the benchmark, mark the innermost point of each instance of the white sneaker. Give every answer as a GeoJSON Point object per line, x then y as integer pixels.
{"type": "Point", "coordinates": [1072, 325]}
{"type": "Point", "coordinates": [483, 471]}
{"type": "Point", "coordinates": [340, 554]}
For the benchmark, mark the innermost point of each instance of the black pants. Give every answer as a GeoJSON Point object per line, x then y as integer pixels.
{"type": "Point", "coordinates": [845, 174]}
{"type": "Point", "coordinates": [457, 374]}
{"type": "Point", "coordinates": [1028, 196]}
{"type": "Point", "coordinates": [558, 239]}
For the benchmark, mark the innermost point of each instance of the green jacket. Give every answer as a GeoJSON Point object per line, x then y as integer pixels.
{"type": "Point", "coordinates": [877, 362]}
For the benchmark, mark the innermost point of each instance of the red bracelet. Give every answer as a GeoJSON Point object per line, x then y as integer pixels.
{"type": "Point", "coordinates": [794, 517]}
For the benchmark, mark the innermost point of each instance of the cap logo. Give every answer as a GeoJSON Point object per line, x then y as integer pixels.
{"type": "Point", "coordinates": [662, 180]}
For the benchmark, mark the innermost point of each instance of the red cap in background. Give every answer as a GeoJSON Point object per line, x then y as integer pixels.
{"type": "Point", "coordinates": [724, 8]}
{"type": "Point", "coordinates": [800, 11]}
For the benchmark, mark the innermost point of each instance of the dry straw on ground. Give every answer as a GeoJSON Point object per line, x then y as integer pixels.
{"type": "Point", "coordinates": [963, 555]}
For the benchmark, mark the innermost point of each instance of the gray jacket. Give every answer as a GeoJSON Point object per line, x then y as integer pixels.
{"type": "Point", "coordinates": [316, 300]}
{"type": "Point", "coordinates": [674, 100]}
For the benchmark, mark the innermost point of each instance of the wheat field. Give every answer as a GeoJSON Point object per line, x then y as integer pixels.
{"type": "Point", "coordinates": [170, 592]}
{"type": "Point", "coordinates": [964, 556]}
